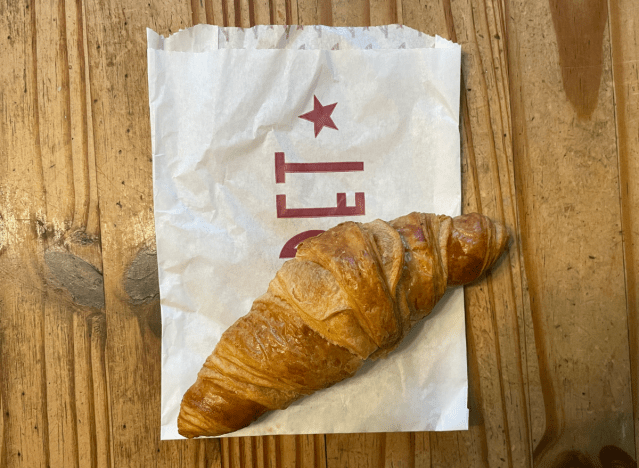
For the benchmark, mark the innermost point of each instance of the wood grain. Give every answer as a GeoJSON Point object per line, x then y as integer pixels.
{"type": "Point", "coordinates": [624, 20]}
{"type": "Point", "coordinates": [568, 195]}
{"type": "Point", "coordinates": [549, 127]}
{"type": "Point", "coordinates": [117, 53]}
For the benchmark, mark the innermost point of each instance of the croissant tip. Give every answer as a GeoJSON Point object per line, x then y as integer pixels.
{"type": "Point", "coordinates": [194, 432]}
{"type": "Point", "coordinates": [182, 429]}
{"type": "Point", "coordinates": [191, 423]}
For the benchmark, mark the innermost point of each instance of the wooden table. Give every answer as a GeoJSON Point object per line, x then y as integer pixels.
{"type": "Point", "coordinates": [550, 145]}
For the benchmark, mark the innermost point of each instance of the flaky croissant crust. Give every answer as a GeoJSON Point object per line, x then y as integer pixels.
{"type": "Point", "coordinates": [350, 294]}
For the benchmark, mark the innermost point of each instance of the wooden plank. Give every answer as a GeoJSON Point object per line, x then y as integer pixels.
{"type": "Point", "coordinates": [272, 450]}
{"type": "Point", "coordinates": [354, 450]}
{"type": "Point", "coordinates": [246, 20]}
{"type": "Point", "coordinates": [382, 12]}
{"type": "Point", "coordinates": [3, 455]}
{"type": "Point", "coordinates": [350, 13]}
{"type": "Point", "coordinates": [22, 296]}
{"type": "Point", "coordinates": [216, 12]}
{"type": "Point", "coordinates": [451, 449]}
{"type": "Point", "coordinates": [25, 419]}
{"type": "Point", "coordinates": [49, 190]}
{"type": "Point", "coordinates": [495, 307]}
{"type": "Point", "coordinates": [288, 451]}
{"type": "Point", "coordinates": [314, 447]}
{"type": "Point", "coordinates": [53, 119]}
{"type": "Point", "coordinates": [209, 455]}
{"type": "Point", "coordinates": [118, 82]}
{"type": "Point", "coordinates": [304, 451]}
{"type": "Point", "coordinates": [293, 12]}
{"type": "Point", "coordinates": [568, 195]}
{"type": "Point", "coordinates": [392, 449]}
{"type": "Point", "coordinates": [198, 12]}
{"type": "Point", "coordinates": [72, 253]}
{"type": "Point", "coordinates": [101, 426]}
{"type": "Point", "coordinates": [422, 450]}
{"type": "Point", "coordinates": [261, 12]}
{"type": "Point", "coordinates": [624, 21]}
{"type": "Point", "coordinates": [399, 450]}
{"type": "Point", "coordinates": [311, 12]}
{"type": "Point", "coordinates": [230, 12]}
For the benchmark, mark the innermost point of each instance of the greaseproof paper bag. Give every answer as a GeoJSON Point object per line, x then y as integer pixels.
{"type": "Point", "coordinates": [264, 136]}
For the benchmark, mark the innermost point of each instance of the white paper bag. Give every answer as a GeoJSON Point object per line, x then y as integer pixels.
{"type": "Point", "coordinates": [266, 135]}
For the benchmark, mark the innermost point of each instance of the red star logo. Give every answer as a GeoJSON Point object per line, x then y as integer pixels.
{"type": "Point", "coordinates": [320, 116]}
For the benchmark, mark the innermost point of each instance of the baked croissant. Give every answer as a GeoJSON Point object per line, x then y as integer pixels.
{"type": "Point", "coordinates": [350, 294]}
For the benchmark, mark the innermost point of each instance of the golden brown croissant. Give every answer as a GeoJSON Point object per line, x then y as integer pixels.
{"type": "Point", "coordinates": [350, 294]}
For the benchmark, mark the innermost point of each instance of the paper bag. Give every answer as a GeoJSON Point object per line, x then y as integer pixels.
{"type": "Point", "coordinates": [265, 136]}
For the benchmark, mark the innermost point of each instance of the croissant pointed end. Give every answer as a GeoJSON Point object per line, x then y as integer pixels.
{"type": "Point", "coordinates": [475, 244]}
{"type": "Point", "coordinates": [191, 424]}
{"type": "Point", "coordinates": [208, 410]}
{"type": "Point", "coordinates": [185, 429]}
{"type": "Point", "coordinates": [198, 416]}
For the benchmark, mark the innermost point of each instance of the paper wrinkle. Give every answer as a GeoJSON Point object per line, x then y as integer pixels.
{"type": "Point", "coordinates": [223, 101]}
{"type": "Point", "coordinates": [206, 38]}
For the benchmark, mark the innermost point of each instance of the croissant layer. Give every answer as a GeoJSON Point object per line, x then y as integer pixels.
{"type": "Point", "coordinates": [350, 294]}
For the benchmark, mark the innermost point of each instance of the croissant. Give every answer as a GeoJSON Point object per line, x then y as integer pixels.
{"type": "Point", "coordinates": [350, 294]}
